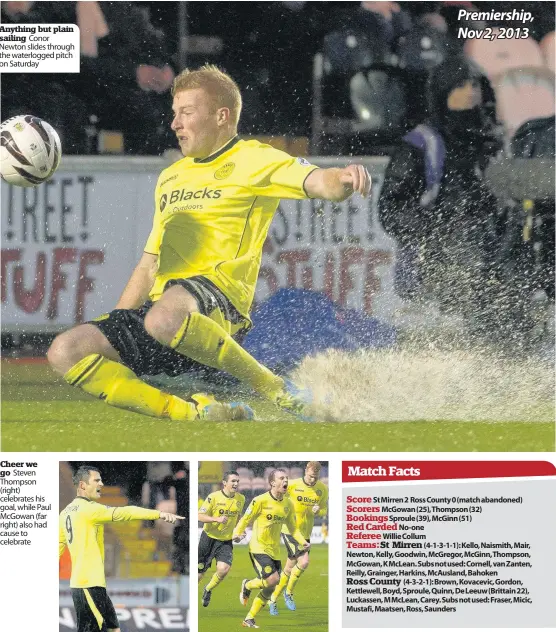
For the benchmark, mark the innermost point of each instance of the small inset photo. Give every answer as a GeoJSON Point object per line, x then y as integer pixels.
{"type": "Point", "coordinates": [263, 545]}
{"type": "Point", "coordinates": [124, 546]}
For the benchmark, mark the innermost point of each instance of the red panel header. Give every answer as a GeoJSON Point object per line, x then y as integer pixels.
{"type": "Point", "coordinates": [362, 471]}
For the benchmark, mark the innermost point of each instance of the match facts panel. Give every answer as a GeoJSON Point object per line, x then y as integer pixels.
{"type": "Point", "coordinates": [466, 544]}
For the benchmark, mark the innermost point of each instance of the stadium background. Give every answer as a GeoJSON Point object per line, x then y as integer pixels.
{"type": "Point", "coordinates": [69, 245]}
{"type": "Point", "coordinates": [146, 563]}
{"type": "Point", "coordinates": [311, 594]}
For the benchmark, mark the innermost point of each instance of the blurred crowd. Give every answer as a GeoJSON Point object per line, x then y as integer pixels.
{"type": "Point", "coordinates": [131, 51]}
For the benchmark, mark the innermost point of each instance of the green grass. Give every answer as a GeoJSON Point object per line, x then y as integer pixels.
{"type": "Point", "coordinates": [42, 413]}
{"type": "Point", "coordinates": [311, 597]}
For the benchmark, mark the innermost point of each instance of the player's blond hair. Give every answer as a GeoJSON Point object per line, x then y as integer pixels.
{"type": "Point", "coordinates": [315, 466]}
{"type": "Point", "coordinates": [220, 87]}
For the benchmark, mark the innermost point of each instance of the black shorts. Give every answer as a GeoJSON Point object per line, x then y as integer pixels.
{"type": "Point", "coordinates": [212, 549]}
{"type": "Point", "coordinates": [125, 331]}
{"type": "Point", "coordinates": [292, 546]}
{"type": "Point", "coordinates": [94, 610]}
{"type": "Point", "coordinates": [264, 565]}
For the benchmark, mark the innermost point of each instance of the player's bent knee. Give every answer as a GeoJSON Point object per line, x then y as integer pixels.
{"type": "Point", "coordinates": [70, 347]}
{"type": "Point", "coordinates": [62, 353]}
{"type": "Point", "coordinates": [161, 327]}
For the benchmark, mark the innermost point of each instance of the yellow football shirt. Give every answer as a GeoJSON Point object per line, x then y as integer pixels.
{"type": "Point", "coordinates": [81, 529]}
{"type": "Point", "coordinates": [212, 215]}
{"type": "Point", "coordinates": [304, 497]}
{"type": "Point", "coordinates": [268, 515]}
{"type": "Point", "coordinates": [218, 504]}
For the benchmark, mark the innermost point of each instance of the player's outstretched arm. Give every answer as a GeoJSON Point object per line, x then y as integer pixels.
{"type": "Point", "coordinates": [336, 184]}
{"type": "Point", "coordinates": [101, 513]}
{"type": "Point", "coordinates": [140, 283]}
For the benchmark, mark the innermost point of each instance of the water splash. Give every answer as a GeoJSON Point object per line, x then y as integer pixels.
{"type": "Point", "coordinates": [410, 385]}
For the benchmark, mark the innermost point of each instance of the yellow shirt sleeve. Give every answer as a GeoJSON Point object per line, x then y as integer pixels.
{"type": "Point", "coordinates": [62, 542]}
{"type": "Point", "coordinates": [153, 242]}
{"type": "Point", "coordinates": [279, 175]}
{"type": "Point", "coordinates": [249, 517]}
{"type": "Point", "coordinates": [206, 507]}
{"type": "Point", "coordinates": [323, 503]}
{"type": "Point", "coordinates": [100, 513]}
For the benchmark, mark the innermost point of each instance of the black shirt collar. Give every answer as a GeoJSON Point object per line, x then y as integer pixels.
{"type": "Point", "coordinates": [218, 153]}
{"type": "Point", "coordinates": [83, 498]}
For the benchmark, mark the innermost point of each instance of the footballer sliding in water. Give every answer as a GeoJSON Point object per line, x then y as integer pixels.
{"type": "Point", "coordinates": [187, 302]}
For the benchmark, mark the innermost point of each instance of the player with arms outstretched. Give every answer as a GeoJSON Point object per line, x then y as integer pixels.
{"type": "Point", "coordinates": [220, 514]}
{"type": "Point", "coordinates": [267, 513]}
{"type": "Point", "coordinates": [187, 302]}
{"type": "Point", "coordinates": [310, 498]}
{"type": "Point", "coordinates": [81, 530]}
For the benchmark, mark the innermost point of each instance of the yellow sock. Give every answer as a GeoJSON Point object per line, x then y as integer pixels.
{"type": "Point", "coordinates": [205, 341]}
{"type": "Point", "coordinates": [281, 585]}
{"type": "Point", "coordinates": [253, 584]}
{"type": "Point", "coordinates": [259, 601]}
{"type": "Point", "coordinates": [214, 581]}
{"type": "Point", "coordinates": [118, 386]}
{"type": "Point", "coordinates": [294, 578]}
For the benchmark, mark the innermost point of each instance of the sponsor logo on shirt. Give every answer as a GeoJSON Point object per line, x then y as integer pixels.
{"type": "Point", "coordinates": [224, 171]}
{"type": "Point", "coordinates": [181, 195]}
{"type": "Point", "coordinates": [307, 499]}
{"type": "Point", "coordinates": [273, 517]}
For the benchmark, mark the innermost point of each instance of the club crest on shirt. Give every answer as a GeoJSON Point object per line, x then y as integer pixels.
{"type": "Point", "coordinates": [319, 492]}
{"type": "Point", "coordinates": [267, 569]}
{"type": "Point", "coordinates": [224, 171]}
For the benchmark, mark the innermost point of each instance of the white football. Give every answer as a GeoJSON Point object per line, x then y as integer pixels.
{"type": "Point", "coordinates": [30, 150]}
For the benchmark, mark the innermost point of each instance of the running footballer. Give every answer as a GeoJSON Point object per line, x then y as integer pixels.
{"type": "Point", "coordinates": [81, 530]}
{"type": "Point", "coordinates": [310, 498]}
{"type": "Point", "coordinates": [267, 513]}
{"type": "Point", "coordinates": [220, 514]}
{"type": "Point", "coordinates": [187, 302]}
